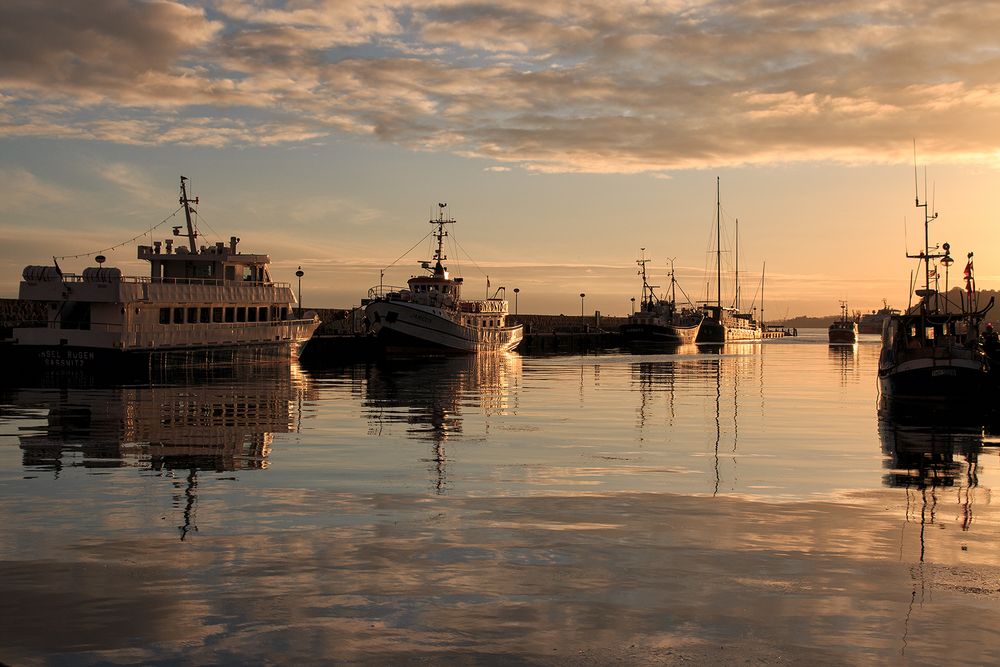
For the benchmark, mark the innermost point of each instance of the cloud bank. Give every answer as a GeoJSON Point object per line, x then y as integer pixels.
{"type": "Point", "coordinates": [617, 86]}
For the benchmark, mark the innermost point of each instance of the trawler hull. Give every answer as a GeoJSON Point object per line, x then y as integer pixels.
{"type": "Point", "coordinates": [652, 335]}
{"type": "Point", "coordinates": [843, 336]}
{"type": "Point", "coordinates": [409, 327]}
{"type": "Point", "coordinates": [938, 380]}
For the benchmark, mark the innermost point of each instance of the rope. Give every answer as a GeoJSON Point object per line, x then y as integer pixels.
{"type": "Point", "coordinates": [123, 243]}
{"type": "Point", "coordinates": [410, 250]}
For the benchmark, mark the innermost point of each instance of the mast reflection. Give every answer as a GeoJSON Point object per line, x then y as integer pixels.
{"type": "Point", "coordinates": [429, 397]}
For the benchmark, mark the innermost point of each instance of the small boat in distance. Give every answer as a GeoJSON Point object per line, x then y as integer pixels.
{"type": "Point", "coordinates": [429, 315]}
{"type": "Point", "coordinates": [871, 323]}
{"type": "Point", "coordinates": [207, 305]}
{"type": "Point", "coordinates": [932, 351]}
{"type": "Point", "coordinates": [845, 330]}
{"type": "Point", "coordinates": [659, 323]}
{"type": "Point", "coordinates": [726, 324]}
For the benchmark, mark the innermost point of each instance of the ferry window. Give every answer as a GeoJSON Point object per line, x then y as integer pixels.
{"type": "Point", "coordinates": [217, 314]}
{"type": "Point", "coordinates": [192, 315]}
{"type": "Point", "coordinates": [247, 273]}
{"type": "Point", "coordinates": [929, 333]}
{"type": "Point", "coordinates": [251, 314]}
{"type": "Point", "coordinates": [262, 317]}
{"type": "Point", "coordinates": [230, 314]}
{"type": "Point", "coordinates": [241, 314]}
{"type": "Point", "coordinates": [204, 315]}
{"type": "Point", "coordinates": [204, 270]}
{"type": "Point", "coordinates": [284, 313]}
{"type": "Point", "coordinates": [230, 273]}
{"type": "Point", "coordinates": [178, 316]}
{"type": "Point", "coordinates": [164, 316]}
{"type": "Point", "coordinates": [445, 289]}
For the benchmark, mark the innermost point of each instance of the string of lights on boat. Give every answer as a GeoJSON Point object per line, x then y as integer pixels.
{"type": "Point", "coordinates": [148, 232]}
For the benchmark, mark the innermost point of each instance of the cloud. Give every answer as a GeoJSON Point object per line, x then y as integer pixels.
{"type": "Point", "coordinates": [608, 87]}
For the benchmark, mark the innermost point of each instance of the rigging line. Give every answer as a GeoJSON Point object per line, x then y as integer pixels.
{"type": "Point", "coordinates": [119, 245]}
{"type": "Point", "coordinates": [468, 255]}
{"type": "Point", "coordinates": [410, 250]}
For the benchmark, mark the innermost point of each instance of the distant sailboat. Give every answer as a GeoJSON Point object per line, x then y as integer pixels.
{"type": "Point", "coordinates": [725, 324]}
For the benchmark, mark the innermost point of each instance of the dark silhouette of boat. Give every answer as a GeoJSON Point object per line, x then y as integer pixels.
{"type": "Point", "coordinates": [845, 330]}
{"type": "Point", "coordinates": [932, 351]}
{"type": "Point", "coordinates": [659, 323]}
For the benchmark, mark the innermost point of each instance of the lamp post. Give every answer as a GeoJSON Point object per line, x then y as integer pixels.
{"type": "Point", "coordinates": [516, 292]}
{"type": "Point", "coordinates": [633, 305]}
{"type": "Point", "coordinates": [581, 303]}
{"type": "Point", "coordinates": [299, 275]}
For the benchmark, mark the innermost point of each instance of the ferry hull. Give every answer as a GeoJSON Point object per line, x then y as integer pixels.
{"type": "Point", "coordinates": [83, 362]}
{"type": "Point", "coordinates": [410, 328]}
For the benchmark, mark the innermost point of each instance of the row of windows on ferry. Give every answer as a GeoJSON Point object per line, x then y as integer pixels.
{"type": "Point", "coordinates": [208, 315]}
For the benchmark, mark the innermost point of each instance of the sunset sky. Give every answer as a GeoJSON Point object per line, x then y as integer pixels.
{"type": "Point", "coordinates": [565, 136]}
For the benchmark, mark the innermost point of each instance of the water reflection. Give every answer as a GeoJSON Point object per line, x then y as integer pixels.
{"type": "Point", "coordinates": [216, 422]}
{"type": "Point", "coordinates": [845, 359]}
{"type": "Point", "coordinates": [429, 396]}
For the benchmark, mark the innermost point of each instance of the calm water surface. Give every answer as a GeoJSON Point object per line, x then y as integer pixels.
{"type": "Point", "coordinates": [748, 504]}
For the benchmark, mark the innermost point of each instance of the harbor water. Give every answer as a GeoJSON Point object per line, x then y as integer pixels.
{"type": "Point", "coordinates": [749, 504]}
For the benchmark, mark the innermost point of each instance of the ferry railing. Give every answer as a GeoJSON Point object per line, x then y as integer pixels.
{"type": "Point", "coordinates": [386, 292]}
{"type": "Point", "coordinates": [103, 327]}
{"type": "Point", "coordinates": [147, 280]}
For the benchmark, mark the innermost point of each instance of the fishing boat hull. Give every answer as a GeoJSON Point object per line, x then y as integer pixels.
{"type": "Point", "coordinates": [941, 379]}
{"type": "Point", "coordinates": [843, 335]}
{"type": "Point", "coordinates": [652, 335]}
{"type": "Point", "coordinates": [403, 327]}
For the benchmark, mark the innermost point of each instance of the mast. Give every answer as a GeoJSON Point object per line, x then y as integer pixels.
{"type": "Point", "coordinates": [718, 248]}
{"type": "Point", "coordinates": [186, 203]}
{"type": "Point", "coordinates": [762, 269]}
{"type": "Point", "coordinates": [737, 264]}
{"type": "Point", "coordinates": [439, 234]}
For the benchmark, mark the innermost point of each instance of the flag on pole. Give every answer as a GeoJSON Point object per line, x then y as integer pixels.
{"type": "Point", "coordinates": [970, 280]}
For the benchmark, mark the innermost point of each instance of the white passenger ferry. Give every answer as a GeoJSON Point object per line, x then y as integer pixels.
{"type": "Point", "coordinates": [208, 304]}
{"type": "Point", "coordinates": [430, 315]}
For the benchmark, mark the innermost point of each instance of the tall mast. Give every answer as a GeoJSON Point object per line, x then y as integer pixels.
{"type": "Point", "coordinates": [737, 264]}
{"type": "Point", "coordinates": [439, 234]}
{"type": "Point", "coordinates": [718, 247]}
{"type": "Point", "coordinates": [186, 203]}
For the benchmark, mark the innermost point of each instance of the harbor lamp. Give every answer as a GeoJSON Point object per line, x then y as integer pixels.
{"type": "Point", "coordinates": [299, 274]}
{"type": "Point", "coordinates": [581, 303]}
{"type": "Point", "coordinates": [516, 292]}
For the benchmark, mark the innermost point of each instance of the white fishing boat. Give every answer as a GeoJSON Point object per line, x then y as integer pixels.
{"type": "Point", "coordinates": [726, 324]}
{"type": "Point", "coordinates": [871, 323]}
{"type": "Point", "coordinates": [429, 315]}
{"type": "Point", "coordinates": [199, 305]}
{"type": "Point", "coordinates": [659, 322]}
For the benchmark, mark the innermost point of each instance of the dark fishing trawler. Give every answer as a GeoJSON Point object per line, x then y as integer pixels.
{"type": "Point", "coordinates": [429, 315]}
{"type": "Point", "coordinates": [659, 323]}
{"type": "Point", "coordinates": [845, 330]}
{"type": "Point", "coordinates": [932, 351]}
{"type": "Point", "coordinates": [211, 304]}
{"type": "Point", "coordinates": [724, 324]}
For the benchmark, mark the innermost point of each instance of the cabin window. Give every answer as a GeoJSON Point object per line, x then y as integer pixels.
{"type": "Point", "coordinates": [446, 289]}
{"type": "Point", "coordinates": [230, 314]}
{"type": "Point", "coordinates": [929, 333]}
{"type": "Point", "coordinates": [251, 314]}
{"type": "Point", "coordinates": [217, 314]}
{"type": "Point", "coordinates": [247, 273]}
{"type": "Point", "coordinates": [205, 315]}
{"type": "Point", "coordinates": [230, 273]}
{"type": "Point", "coordinates": [178, 316]}
{"type": "Point", "coordinates": [192, 315]}
{"type": "Point", "coordinates": [262, 316]}
{"type": "Point", "coordinates": [284, 312]}
{"type": "Point", "coordinates": [164, 316]}
{"type": "Point", "coordinates": [241, 314]}
{"type": "Point", "coordinates": [204, 270]}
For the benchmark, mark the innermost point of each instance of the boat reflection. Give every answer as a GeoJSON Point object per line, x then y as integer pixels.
{"type": "Point", "coordinates": [845, 359]}
{"type": "Point", "coordinates": [220, 423]}
{"type": "Point", "coordinates": [428, 397]}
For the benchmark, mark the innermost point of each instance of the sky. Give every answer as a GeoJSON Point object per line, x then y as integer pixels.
{"type": "Point", "coordinates": [568, 138]}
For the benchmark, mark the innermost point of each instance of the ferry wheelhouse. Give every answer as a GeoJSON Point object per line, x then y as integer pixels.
{"type": "Point", "coordinates": [207, 304]}
{"type": "Point", "coordinates": [429, 315]}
